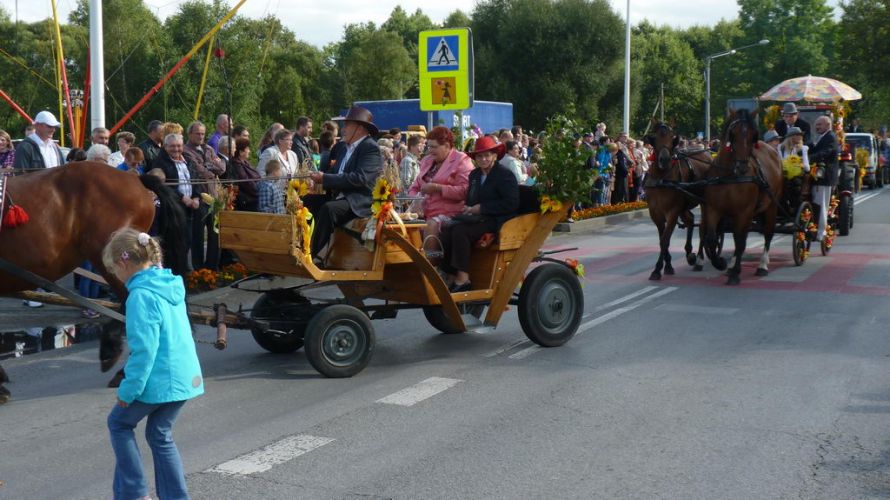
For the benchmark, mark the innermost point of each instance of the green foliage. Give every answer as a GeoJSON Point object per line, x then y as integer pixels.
{"type": "Point", "coordinates": [563, 173]}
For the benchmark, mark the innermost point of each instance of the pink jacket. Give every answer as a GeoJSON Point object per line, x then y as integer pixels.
{"type": "Point", "coordinates": [453, 175]}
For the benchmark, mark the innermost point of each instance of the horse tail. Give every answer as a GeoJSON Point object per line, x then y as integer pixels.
{"type": "Point", "coordinates": [169, 224]}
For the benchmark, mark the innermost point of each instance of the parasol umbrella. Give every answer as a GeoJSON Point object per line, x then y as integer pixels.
{"type": "Point", "coordinates": [811, 89]}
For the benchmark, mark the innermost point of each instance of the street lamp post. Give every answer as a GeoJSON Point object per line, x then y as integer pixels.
{"type": "Point", "coordinates": [708, 82]}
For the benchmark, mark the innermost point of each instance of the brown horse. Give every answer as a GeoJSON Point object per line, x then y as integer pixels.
{"type": "Point", "coordinates": [667, 202]}
{"type": "Point", "coordinates": [746, 181]}
{"type": "Point", "coordinates": [73, 210]}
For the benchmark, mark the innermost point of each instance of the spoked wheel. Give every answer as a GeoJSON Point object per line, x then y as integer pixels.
{"type": "Point", "coordinates": [550, 305]}
{"type": "Point", "coordinates": [283, 315]}
{"type": "Point", "coordinates": [339, 341]}
{"type": "Point", "coordinates": [800, 240]}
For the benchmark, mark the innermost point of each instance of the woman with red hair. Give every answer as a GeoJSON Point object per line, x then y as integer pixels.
{"type": "Point", "coordinates": [442, 180]}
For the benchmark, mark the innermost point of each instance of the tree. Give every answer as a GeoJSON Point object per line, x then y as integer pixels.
{"type": "Point", "coordinates": [864, 36]}
{"type": "Point", "coordinates": [547, 56]}
{"type": "Point", "coordinates": [373, 64]}
{"type": "Point", "coordinates": [661, 56]}
{"type": "Point", "coordinates": [457, 19]}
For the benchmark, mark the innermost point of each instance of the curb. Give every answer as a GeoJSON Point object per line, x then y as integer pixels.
{"type": "Point", "coordinates": [599, 222]}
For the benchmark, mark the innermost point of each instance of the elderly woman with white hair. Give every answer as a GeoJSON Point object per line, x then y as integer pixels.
{"type": "Point", "coordinates": [99, 152]}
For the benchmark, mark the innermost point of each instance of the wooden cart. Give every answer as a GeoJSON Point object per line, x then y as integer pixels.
{"type": "Point", "coordinates": [339, 336]}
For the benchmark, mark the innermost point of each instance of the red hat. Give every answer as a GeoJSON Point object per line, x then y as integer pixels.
{"type": "Point", "coordinates": [486, 143]}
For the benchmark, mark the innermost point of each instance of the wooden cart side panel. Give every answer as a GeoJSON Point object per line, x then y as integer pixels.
{"type": "Point", "coordinates": [271, 263]}
{"type": "Point", "coordinates": [269, 233]}
{"type": "Point", "coordinates": [515, 231]}
{"type": "Point", "coordinates": [449, 308]}
{"type": "Point", "coordinates": [517, 266]}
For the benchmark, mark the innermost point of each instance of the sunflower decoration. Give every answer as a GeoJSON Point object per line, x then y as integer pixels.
{"type": "Point", "coordinates": [549, 204]}
{"type": "Point", "coordinates": [224, 200]}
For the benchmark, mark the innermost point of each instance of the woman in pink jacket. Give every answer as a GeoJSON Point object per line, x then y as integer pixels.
{"type": "Point", "coordinates": [443, 179]}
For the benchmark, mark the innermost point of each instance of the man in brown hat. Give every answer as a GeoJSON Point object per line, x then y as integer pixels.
{"type": "Point", "coordinates": [350, 180]}
{"type": "Point", "coordinates": [791, 118]}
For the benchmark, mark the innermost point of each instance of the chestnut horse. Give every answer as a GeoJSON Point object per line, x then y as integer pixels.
{"type": "Point", "coordinates": [73, 210]}
{"type": "Point", "coordinates": [667, 202]}
{"type": "Point", "coordinates": [746, 181]}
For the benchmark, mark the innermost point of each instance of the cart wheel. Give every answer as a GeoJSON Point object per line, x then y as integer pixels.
{"type": "Point", "coordinates": [438, 320]}
{"type": "Point", "coordinates": [339, 340]}
{"type": "Point", "coordinates": [845, 215]}
{"type": "Point", "coordinates": [550, 305]}
{"type": "Point", "coordinates": [283, 311]}
{"type": "Point", "coordinates": [799, 244]}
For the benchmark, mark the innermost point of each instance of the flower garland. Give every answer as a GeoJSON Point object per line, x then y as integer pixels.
{"type": "Point", "coordinates": [576, 266]}
{"type": "Point", "coordinates": [603, 210]}
{"type": "Point", "coordinates": [303, 223]}
{"type": "Point", "coordinates": [383, 196]}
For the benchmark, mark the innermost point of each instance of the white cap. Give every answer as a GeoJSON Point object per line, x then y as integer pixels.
{"type": "Point", "coordinates": [46, 118]}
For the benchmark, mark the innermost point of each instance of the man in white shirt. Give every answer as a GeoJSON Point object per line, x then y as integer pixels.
{"type": "Point", "coordinates": [38, 150]}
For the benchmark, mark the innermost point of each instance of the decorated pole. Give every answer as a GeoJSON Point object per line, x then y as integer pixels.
{"type": "Point", "coordinates": [15, 106]}
{"type": "Point", "coordinates": [192, 52]}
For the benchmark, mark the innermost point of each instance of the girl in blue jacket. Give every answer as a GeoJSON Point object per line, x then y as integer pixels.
{"type": "Point", "coordinates": [162, 372]}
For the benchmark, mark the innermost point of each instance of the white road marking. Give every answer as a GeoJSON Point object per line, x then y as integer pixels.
{"type": "Point", "coordinates": [418, 392]}
{"type": "Point", "coordinates": [685, 308]}
{"type": "Point", "coordinates": [626, 298]}
{"type": "Point", "coordinates": [276, 453]}
{"type": "Point", "coordinates": [863, 198]}
{"type": "Point", "coordinates": [506, 347]}
{"type": "Point", "coordinates": [618, 312]}
{"type": "Point", "coordinates": [528, 351]}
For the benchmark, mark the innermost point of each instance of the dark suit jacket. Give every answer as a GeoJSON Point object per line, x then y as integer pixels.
{"type": "Point", "coordinates": [782, 128]}
{"type": "Point", "coordinates": [165, 163]}
{"type": "Point", "coordinates": [358, 177]}
{"type": "Point", "coordinates": [150, 152]}
{"type": "Point", "coordinates": [497, 197]}
{"type": "Point", "coordinates": [826, 151]}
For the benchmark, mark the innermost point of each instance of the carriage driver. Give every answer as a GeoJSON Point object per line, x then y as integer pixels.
{"type": "Point", "coordinates": [350, 180]}
{"type": "Point", "coordinates": [824, 152]}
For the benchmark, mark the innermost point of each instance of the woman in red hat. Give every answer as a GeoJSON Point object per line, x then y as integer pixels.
{"type": "Point", "coordinates": [442, 180]}
{"type": "Point", "coordinates": [492, 199]}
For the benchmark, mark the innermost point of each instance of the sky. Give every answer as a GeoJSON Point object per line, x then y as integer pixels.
{"type": "Point", "coordinates": [320, 23]}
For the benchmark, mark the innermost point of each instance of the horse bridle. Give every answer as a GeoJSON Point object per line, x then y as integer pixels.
{"type": "Point", "coordinates": [739, 166]}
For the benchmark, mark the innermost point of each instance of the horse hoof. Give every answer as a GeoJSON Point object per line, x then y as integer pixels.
{"type": "Point", "coordinates": [733, 279]}
{"type": "Point", "coordinates": [761, 272]}
{"type": "Point", "coordinates": [5, 396]}
{"type": "Point", "coordinates": [669, 271]}
{"type": "Point", "coordinates": [698, 268]}
{"type": "Point", "coordinates": [691, 258]}
{"type": "Point", "coordinates": [115, 381]}
{"type": "Point", "coordinates": [655, 276]}
{"type": "Point", "coordinates": [719, 263]}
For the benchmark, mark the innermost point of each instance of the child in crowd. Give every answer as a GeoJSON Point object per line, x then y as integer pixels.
{"type": "Point", "coordinates": [270, 195]}
{"type": "Point", "coordinates": [133, 159]}
{"type": "Point", "coordinates": [162, 372]}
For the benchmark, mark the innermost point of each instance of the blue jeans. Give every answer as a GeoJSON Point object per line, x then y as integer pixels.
{"type": "Point", "coordinates": [87, 287]}
{"type": "Point", "coordinates": [129, 478]}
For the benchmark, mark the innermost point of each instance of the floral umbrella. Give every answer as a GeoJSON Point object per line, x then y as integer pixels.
{"type": "Point", "coordinates": [811, 89]}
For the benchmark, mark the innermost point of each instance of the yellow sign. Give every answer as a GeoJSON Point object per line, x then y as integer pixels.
{"type": "Point", "coordinates": [445, 61]}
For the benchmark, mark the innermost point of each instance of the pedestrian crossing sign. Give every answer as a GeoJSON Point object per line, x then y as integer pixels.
{"type": "Point", "coordinates": [442, 54]}
{"type": "Point", "coordinates": [445, 64]}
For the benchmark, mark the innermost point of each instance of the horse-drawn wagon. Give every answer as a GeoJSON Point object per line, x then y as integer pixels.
{"type": "Point", "coordinates": [395, 274]}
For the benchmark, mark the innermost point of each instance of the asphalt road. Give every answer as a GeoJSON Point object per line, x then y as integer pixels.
{"type": "Point", "coordinates": [683, 388]}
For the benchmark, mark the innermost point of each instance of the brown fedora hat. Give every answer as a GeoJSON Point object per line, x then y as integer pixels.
{"type": "Point", "coordinates": [361, 115]}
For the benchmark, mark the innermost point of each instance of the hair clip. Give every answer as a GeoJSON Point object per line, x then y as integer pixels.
{"type": "Point", "coordinates": [125, 255]}
{"type": "Point", "coordinates": [143, 239]}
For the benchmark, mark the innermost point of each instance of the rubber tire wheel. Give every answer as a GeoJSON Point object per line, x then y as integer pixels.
{"type": "Point", "coordinates": [845, 215]}
{"type": "Point", "coordinates": [349, 325]}
{"type": "Point", "coordinates": [438, 320]}
{"type": "Point", "coordinates": [556, 287]}
{"type": "Point", "coordinates": [271, 306]}
{"type": "Point", "coordinates": [798, 246]}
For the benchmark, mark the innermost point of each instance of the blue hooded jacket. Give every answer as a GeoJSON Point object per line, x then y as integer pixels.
{"type": "Point", "coordinates": [163, 364]}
